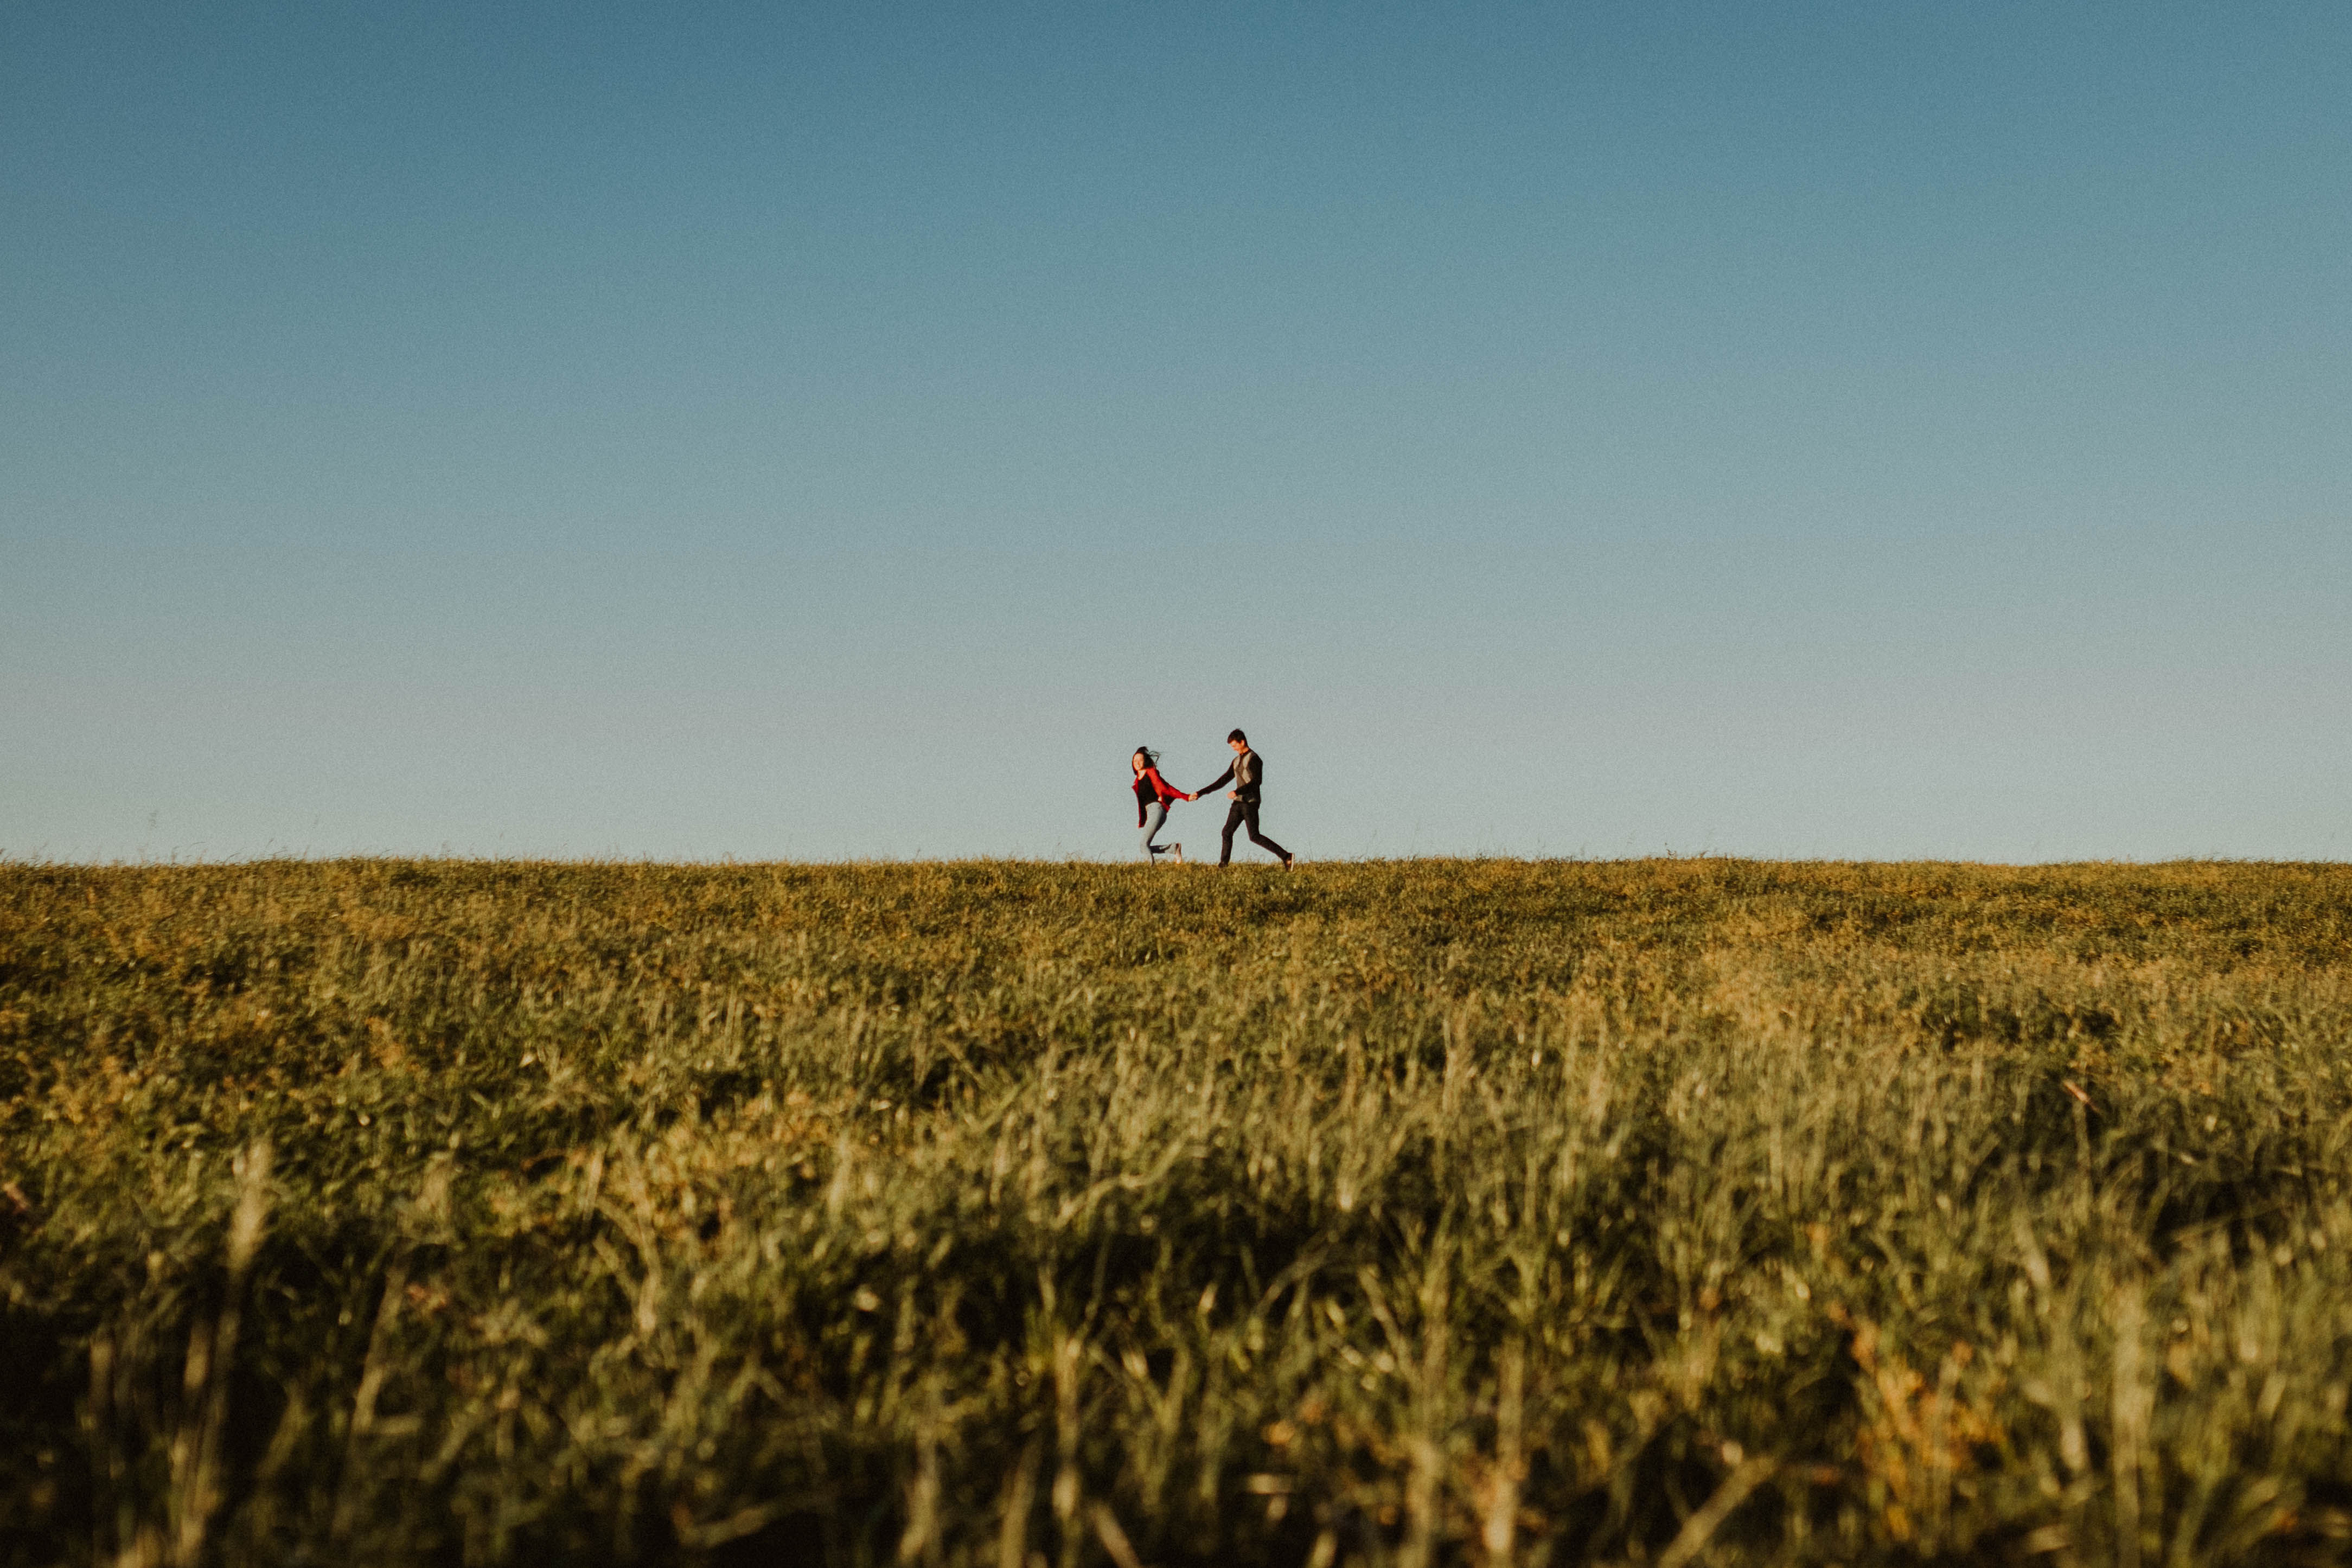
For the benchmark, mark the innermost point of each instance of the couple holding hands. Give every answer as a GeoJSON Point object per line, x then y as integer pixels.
{"type": "Point", "coordinates": [1153, 795]}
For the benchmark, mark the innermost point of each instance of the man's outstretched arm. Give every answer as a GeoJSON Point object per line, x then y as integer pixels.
{"type": "Point", "coordinates": [1219, 782]}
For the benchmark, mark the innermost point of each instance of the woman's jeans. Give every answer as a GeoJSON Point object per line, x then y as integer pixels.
{"type": "Point", "coordinates": [1155, 817]}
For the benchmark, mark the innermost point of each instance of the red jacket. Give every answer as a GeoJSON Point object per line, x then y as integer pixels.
{"type": "Point", "coordinates": [1149, 787]}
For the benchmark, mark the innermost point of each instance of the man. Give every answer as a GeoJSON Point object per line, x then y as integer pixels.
{"type": "Point", "coordinates": [1247, 774]}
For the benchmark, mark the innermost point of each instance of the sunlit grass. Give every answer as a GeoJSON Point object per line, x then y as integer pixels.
{"type": "Point", "coordinates": [1669, 1212]}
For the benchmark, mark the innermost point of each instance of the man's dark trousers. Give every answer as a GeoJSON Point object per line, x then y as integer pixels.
{"type": "Point", "coordinates": [1245, 812]}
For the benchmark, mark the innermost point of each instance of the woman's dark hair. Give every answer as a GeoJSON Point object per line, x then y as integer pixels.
{"type": "Point", "coordinates": [1150, 758]}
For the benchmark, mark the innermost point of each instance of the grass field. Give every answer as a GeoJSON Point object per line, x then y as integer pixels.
{"type": "Point", "coordinates": [1009, 1214]}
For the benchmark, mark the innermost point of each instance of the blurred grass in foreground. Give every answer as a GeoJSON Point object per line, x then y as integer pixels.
{"type": "Point", "coordinates": [1012, 1214]}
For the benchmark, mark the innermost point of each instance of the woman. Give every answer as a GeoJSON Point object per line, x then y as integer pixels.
{"type": "Point", "coordinates": [1152, 795]}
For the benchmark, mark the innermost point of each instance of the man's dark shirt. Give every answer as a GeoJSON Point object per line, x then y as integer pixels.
{"type": "Point", "coordinates": [1245, 775]}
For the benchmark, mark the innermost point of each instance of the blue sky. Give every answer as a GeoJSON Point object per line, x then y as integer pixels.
{"type": "Point", "coordinates": [1849, 430]}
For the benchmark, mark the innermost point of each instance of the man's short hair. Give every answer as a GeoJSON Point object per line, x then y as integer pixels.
{"type": "Point", "coordinates": [1237, 735]}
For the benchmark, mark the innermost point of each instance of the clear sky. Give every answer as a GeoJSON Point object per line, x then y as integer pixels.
{"type": "Point", "coordinates": [838, 431]}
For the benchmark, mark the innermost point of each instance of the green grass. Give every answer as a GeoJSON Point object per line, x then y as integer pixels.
{"type": "Point", "coordinates": [1663, 1212]}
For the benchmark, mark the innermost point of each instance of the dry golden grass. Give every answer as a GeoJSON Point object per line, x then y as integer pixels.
{"type": "Point", "coordinates": [1005, 1214]}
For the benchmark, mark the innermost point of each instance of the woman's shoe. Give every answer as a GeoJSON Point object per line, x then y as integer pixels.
{"type": "Point", "coordinates": [1180, 854]}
